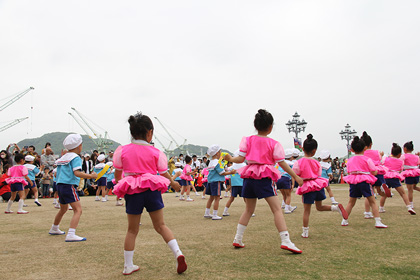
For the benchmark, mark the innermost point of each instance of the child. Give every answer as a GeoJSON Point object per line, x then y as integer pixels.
{"type": "Point", "coordinates": [411, 170]}
{"type": "Point", "coordinates": [284, 184]}
{"type": "Point", "coordinates": [17, 175]}
{"type": "Point", "coordinates": [361, 170]}
{"type": "Point", "coordinates": [327, 173]}
{"type": "Point", "coordinates": [261, 153]}
{"type": "Point", "coordinates": [110, 175]}
{"type": "Point", "coordinates": [101, 183]}
{"type": "Point", "coordinates": [237, 184]}
{"type": "Point", "coordinates": [215, 180]}
{"type": "Point", "coordinates": [46, 181]}
{"type": "Point", "coordinates": [5, 192]}
{"type": "Point", "coordinates": [380, 185]}
{"type": "Point", "coordinates": [187, 179]}
{"type": "Point", "coordinates": [54, 190]}
{"type": "Point", "coordinates": [69, 171]}
{"type": "Point", "coordinates": [142, 187]}
{"type": "Point", "coordinates": [33, 171]}
{"type": "Point", "coordinates": [393, 177]}
{"type": "Point", "coordinates": [177, 170]}
{"type": "Point", "coordinates": [312, 190]}
{"type": "Point", "coordinates": [228, 168]}
{"type": "Point", "coordinates": [205, 173]}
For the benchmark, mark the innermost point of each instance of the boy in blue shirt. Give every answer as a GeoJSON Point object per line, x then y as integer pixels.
{"type": "Point", "coordinates": [33, 171]}
{"type": "Point", "coordinates": [69, 168]}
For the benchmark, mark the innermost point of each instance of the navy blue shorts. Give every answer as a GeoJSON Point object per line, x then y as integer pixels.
{"type": "Point", "coordinates": [134, 203]}
{"type": "Point", "coordinates": [109, 185]}
{"type": "Point", "coordinates": [411, 180]}
{"type": "Point", "coordinates": [284, 183]}
{"type": "Point", "coordinates": [16, 187]}
{"type": "Point", "coordinates": [380, 181]}
{"type": "Point", "coordinates": [258, 188]}
{"type": "Point", "coordinates": [28, 186]}
{"type": "Point", "coordinates": [214, 188]}
{"type": "Point", "coordinates": [67, 193]}
{"type": "Point", "coordinates": [205, 184]}
{"type": "Point", "coordinates": [393, 182]}
{"type": "Point", "coordinates": [311, 197]}
{"type": "Point", "coordinates": [227, 182]}
{"type": "Point", "coordinates": [101, 182]}
{"type": "Point", "coordinates": [54, 186]}
{"type": "Point", "coordinates": [361, 189]}
{"type": "Point", "coordinates": [236, 190]}
{"type": "Point", "coordinates": [182, 182]}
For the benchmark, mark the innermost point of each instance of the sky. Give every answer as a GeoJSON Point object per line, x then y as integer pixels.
{"type": "Point", "coordinates": [204, 68]}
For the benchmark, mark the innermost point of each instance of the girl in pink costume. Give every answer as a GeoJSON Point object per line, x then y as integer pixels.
{"type": "Point", "coordinates": [142, 187]}
{"type": "Point", "coordinates": [411, 170]}
{"type": "Point", "coordinates": [205, 174]}
{"type": "Point", "coordinates": [17, 175]}
{"type": "Point", "coordinates": [187, 179]}
{"type": "Point", "coordinates": [312, 190]}
{"type": "Point", "coordinates": [262, 153]}
{"type": "Point", "coordinates": [393, 176]}
{"type": "Point", "coordinates": [361, 170]}
{"type": "Point", "coordinates": [380, 184]}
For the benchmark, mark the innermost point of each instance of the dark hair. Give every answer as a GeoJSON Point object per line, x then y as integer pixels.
{"type": "Point", "coordinates": [47, 144]}
{"type": "Point", "coordinates": [139, 126]}
{"type": "Point", "coordinates": [19, 157]}
{"type": "Point", "coordinates": [309, 144]}
{"type": "Point", "coordinates": [263, 120]}
{"type": "Point", "coordinates": [181, 155]}
{"type": "Point", "coordinates": [5, 168]}
{"type": "Point", "coordinates": [358, 144]}
{"type": "Point", "coordinates": [409, 146]}
{"type": "Point", "coordinates": [32, 146]}
{"type": "Point", "coordinates": [366, 138]}
{"type": "Point", "coordinates": [194, 156]}
{"type": "Point", "coordinates": [7, 154]}
{"type": "Point", "coordinates": [188, 159]}
{"type": "Point", "coordinates": [395, 150]}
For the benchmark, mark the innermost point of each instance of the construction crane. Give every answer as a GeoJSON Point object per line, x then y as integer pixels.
{"type": "Point", "coordinates": [15, 98]}
{"type": "Point", "coordinates": [167, 150]}
{"type": "Point", "coordinates": [101, 142]}
{"type": "Point", "coordinates": [13, 123]}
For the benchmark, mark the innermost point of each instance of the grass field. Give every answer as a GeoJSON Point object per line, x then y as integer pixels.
{"type": "Point", "coordinates": [359, 251]}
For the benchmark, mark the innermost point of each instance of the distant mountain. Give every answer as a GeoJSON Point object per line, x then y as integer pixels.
{"type": "Point", "coordinates": [56, 139]}
{"type": "Point", "coordinates": [192, 150]}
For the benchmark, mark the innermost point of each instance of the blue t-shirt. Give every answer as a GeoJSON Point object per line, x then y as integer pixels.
{"type": "Point", "coordinates": [32, 171]}
{"type": "Point", "coordinates": [110, 175]}
{"type": "Point", "coordinates": [236, 180]}
{"type": "Point", "coordinates": [215, 173]}
{"type": "Point", "coordinates": [325, 173]}
{"type": "Point", "coordinates": [65, 173]}
{"type": "Point", "coordinates": [175, 171]}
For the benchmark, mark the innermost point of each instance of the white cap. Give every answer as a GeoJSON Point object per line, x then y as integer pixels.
{"type": "Point", "coordinates": [288, 153]}
{"type": "Point", "coordinates": [324, 154]}
{"type": "Point", "coordinates": [101, 157]}
{"type": "Point", "coordinates": [295, 152]}
{"type": "Point", "coordinates": [110, 163]}
{"type": "Point", "coordinates": [178, 163]}
{"type": "Point", "coordinates": [29, 158]}
{"type": "Point", "coordinates": [72, 141]}
{"type": "Point", "coordinates": [87, 155]}
{"type": "Point", "coordinates": [213, 149]}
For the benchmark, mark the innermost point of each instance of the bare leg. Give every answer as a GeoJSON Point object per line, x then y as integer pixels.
{"type": "Point", "coordinates": [373, 205]}
{"type": "Point", "coordinates": [216, 202]}
{"type": "Point", "coordinates": [250, 204]}
{"type": "Point", "coordinates": [60, 214]}
{"type": "Point", "coordinates": [367, 205]}
{"type": "Point", "coordinates": [275, 207]}
{"type": "Point", "coordinates": [330, 193]}
{"type": "Point", "coordinates": [306, 213]}
{"type": "Point", "coordinates": [159, 225]}
{"type": "Point", "coordinates": [229, 202]}
{"type": "Point", "coordinates": [321, 207]}
{"type": "Point", "coordinates": [132, 231]}
{"type": "Point", "coordinates": [77, 212]}
{"type": "Point", "coordinates": [351, 203]}
{"type": "Point", "coordinates": [401, 191]}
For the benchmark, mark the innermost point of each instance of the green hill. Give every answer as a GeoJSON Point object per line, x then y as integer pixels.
{"type": "Point", "coordinates": [192, 150]}
{"type": "Point", "coordinates": [56, 139]}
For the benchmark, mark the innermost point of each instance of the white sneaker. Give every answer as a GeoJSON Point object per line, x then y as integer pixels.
{"type": "Point", "coordinates": [130, 269]}
{"type": "Point", "coordinates": [411, 211]}
{"type": "Point", "coordinates": [238, 243]}
{"type": "Point", "coordinates": [189, 199]}
{"type": "Point", "coordinates": [379, 224]}
{"type": "Point", "coordinates": [290, 247]}
{"type": "Point", "coordinates": [226, 214]}
{"type": "Point", "coordinates": [57, 206]}
{"type": "Point", "coordinates": [119, 204]}
{"type": "Point", "coordinates": [75, 238]}
{"type": "Point", "coordinates": [208, 216]}
{"type": "Point", "coordinates": [25, 205]}
{"type": "Point", "coordinates": [382, 210]}
{"type": "Point", "coordinates": [70, 208]}
{"type": "Point", "coordinates": [368, 215]}
{"type": "Point", "coordinates": [290, 210]}
{"type": "Point", "coordinates": [197, 194]}
{"type": "Point", "coordinates": [181, 198]}
{"type": "Point", "coordinates": [253, 215]}
{"type": "Point", "coordinates": [97, 198]}
{"type": "Point", "coordinates": [177, 195]}
{"type": "Point", "coordinates": [203, 197]}
{"type": "Point", "coordinates": [305, 232]}
{"type": "Point", "coordinates": [283, 205]}
{"type": "Point", "coordinates": [104, 199]}
{"type": "Point", "coordinates": [226, 195]}
{"type": "Point", "coordinates": [216, 217]}
{"type": "Point", "coordinates": [344, 223]}
{"type": "Point", "coordinates": [37, 203]}
{"type": "Point", "coordinates": [22, 212]}
{"type": "Point", "coordinates": [56, 232]}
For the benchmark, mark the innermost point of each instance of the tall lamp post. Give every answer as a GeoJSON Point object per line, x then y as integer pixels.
{"type": "Point", "coordinates": [296, 125]}
{"type": "Point", "coordinates": [347, 134]}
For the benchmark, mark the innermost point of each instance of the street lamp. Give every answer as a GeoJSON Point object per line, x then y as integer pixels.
{"type": "Point", "coordinates": [296, 125]}
{"type": "Point", "coordinates": [347, 134]}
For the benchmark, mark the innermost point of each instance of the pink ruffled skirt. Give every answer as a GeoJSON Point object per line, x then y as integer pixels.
{"type": "Point", "coordinates": [359, 178]}
{"type": "Point", "coordinates": [141, 183]}
{"type": "Point", "coordinates": [393, 174]}
{"type": "Point", "coordinates": [259, 171]}
{"type": "Point", "coordinates": [16, 180]}
{"type": "Point", "coordinates": [408, 173]}
{"type": "Point", "coordinates": [312, 185]}
{"type": "Point", "coordinates": [382, 170]}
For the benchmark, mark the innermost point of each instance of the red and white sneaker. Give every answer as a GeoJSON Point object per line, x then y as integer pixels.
{"type": "Point", "coordinates": [8, 212]}
{"type": "Point", "coordinates": [290, 247]}
{"type": "Point", "coordinates": [344, 223]}
{"type": "Point", "coordinates": [181, 265]}
{"type": "Point", "coordinates": [379, 224]}
{"type": "Point", "coordinates": [238, 243]}
{"type": "Point", "coordinates": [411, 211]}
{"type": "Point", "coordinates": [22, 212]}
{"type": "Point", "coordinates": [130, 269]}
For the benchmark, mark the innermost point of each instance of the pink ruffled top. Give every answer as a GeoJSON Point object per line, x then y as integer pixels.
{"type": "Point", "coordinates": [262, 153]}
{"type": "Point", "coordinates": [310, 171]}
{"type": "Point", "coordinates": [205, 173]}
{"type": "Point", "coordinates": [17, 174]}
{"type": "Point", "coordinates": [411, 165]}
{"type": "Point", "coordinates": [395, 166]}
{"type": "Point", "coordinates": [359, 168]}
{"type": "Point", "coordinates": [185, 171]}
{"type": "Point", "coordinates": [375, 156]}
{"type": "Point", "coordinates": [140, 163]}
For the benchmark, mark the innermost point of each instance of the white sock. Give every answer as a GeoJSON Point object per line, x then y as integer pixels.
{"type": "Point", "coordinates": [287, 207]}
{"type": "Point", "coordinates": [240, 232]}
{"type": "Point", "coordinates": [55, 200]}
{"type": "Point", "coordinates": [128, 258]}
{"type": "Point", "coordinates": [226, 209]}
{"type": "Point", "coordinates": [36, 199]}
{"type": "Point", "coordinates": [412, 204]}
{"type": "Point", "coordinates": [106, 196]}
{"type": "Point", "coordinates": [55, 227]}
{"type": "Point", "coordinates": [377, 219]}
{"type": "Point", "coordinates": [215, 212]}
{"type": "Point", "coordinates": [188, 197]}
{"type": "Point", "coordinates": [20, 205]}
{"type": "Point", "coordinates": [284, 235]}
{"type": "Point", "coordinates": [9, 204]}
{"type": "Point", "coordinates": [207, 212]}
{"type": "Point", "coordinates": [408, 206]}
{"type": "Point", "coordinates": [173, 244]}
{"type": "Point", "coordinates": [71, 232]}
{"type": "Point", "coordinates": [332, 199]}
{"type": "Point", "coordinates": [97, 197]}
